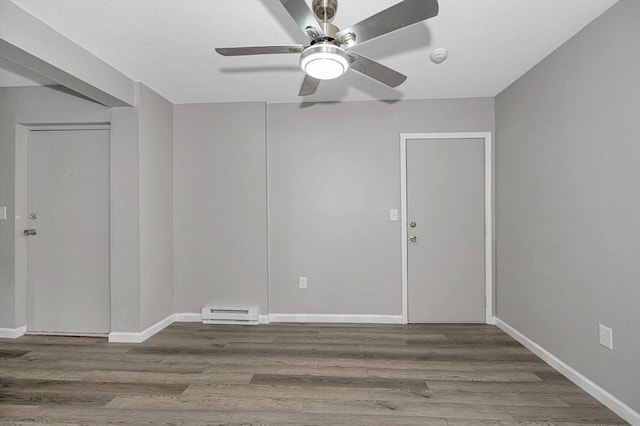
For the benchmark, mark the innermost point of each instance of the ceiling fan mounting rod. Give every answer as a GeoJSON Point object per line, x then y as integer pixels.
{"type": "Point", "coordinates": [325, 11]}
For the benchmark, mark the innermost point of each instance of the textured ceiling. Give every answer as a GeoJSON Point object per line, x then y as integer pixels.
{"type": "Point", "coordinates": [168, 45]}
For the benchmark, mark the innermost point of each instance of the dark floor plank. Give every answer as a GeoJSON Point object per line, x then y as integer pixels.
{"type": "Point", "coordinates": [324, 419]}
{"type": "Point", "coordinates": [401, 408]}
{"type": "Point", "coordinates": [352, 382]}
{"type": "Point", "coordinates": [93, 416]}
{"type": "Point", "coordinates": [8, 386]}
{"type": "Point", "coordinates": [10, 353]}
{"type": "Point", "coordinates": [55, 398]}
{"type": "Point", "coordinates": [588, 415]}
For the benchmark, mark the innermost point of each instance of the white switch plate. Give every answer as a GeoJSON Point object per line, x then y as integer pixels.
{"type": "Point", "coordinates": [393, 215]}
{"type": "Point", "coordinates": [302, 282]}
{"type": "Point", "coordinates": [606, 337]}
{"type": "Point", "coordinates": [3, 213]}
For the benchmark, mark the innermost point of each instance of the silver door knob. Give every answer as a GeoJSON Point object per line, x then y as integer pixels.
{"type": "Point", "coordinates": [413, 239]}
{"type": "Point", "coordinates": [28, 232]}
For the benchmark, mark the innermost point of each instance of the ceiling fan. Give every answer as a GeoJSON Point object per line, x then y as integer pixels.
{"type": "Point", "coordinates": [329, 53]}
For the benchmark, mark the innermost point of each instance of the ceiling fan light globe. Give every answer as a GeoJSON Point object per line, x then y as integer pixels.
{"type": "Point", "coordinates": [324, 61]}
{"type": "Point", "coordinates": [324, 68]}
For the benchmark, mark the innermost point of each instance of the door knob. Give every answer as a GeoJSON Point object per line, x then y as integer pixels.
{"type": "Point", "coordinates": [413, 238]}
{"type": "Point", "coordinates": [28, 232]}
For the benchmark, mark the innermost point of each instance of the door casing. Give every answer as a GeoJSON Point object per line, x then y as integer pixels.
{"type": "Point", "coordinates": [488, 213]}
{"type": "Point", "coordinates": [20, 247]}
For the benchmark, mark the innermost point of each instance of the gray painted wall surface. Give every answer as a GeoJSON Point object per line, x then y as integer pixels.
{"type": "Point", "coordinates": [568, 201]}
{"type": "Point", "coordinates": [156, 207]}
{"type": "Point", "coordinates": [141, 201]}
{"type": "Point", "coordinates": [334, 173]}
{"type": "Point", "coordinates": [125, 221]}
{"type": "Point", "coordinates": [27, 105]}
{"type": "Point", "coordinates": [220, 217]}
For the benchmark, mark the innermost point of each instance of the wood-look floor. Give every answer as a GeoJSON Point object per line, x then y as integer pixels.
{"type": "Point", "coordinates": [290, 374]}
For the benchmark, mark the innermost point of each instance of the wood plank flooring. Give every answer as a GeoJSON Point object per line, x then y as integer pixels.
{"type": "Point", "coordinates": [290, 374]}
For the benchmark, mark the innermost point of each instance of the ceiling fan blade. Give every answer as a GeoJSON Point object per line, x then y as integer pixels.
{"type": "Point", "coordinates": [309, 86]}
{"type": "Point", "coordinates": [403, 14]}
{"type": "Point", "coordinates": [258, 50]}
{"type": "Point", "coordinates": [376, 70]}
{"type": "Point", "coordinates": [303, 16]}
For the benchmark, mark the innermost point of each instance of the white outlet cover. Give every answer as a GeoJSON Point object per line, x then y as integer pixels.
{"type": "Point", "coordinates": [393, 215]}
{"type": "Point", "coordinates": [606, 336]}
{"type": "Point", "coordinates": [302, 282]}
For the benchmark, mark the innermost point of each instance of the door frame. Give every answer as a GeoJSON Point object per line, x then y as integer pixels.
{"type": "Point", "coordinates": [488, 214]}
{"type": "Point", "coordinates": [22, 131]}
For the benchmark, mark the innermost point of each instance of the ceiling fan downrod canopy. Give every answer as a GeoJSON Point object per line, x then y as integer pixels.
{"type": "Point", "coordinates": [325, 10]}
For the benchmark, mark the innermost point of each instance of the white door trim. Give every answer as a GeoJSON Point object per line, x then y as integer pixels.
{"type": "Point", "coordinates": [22, 131]}
{"type": "Point", "coordinates": [488, 213]}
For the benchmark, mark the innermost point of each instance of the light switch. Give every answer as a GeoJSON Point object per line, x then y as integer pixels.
{"type": "Point", "coordinates": [393, 215]}
{"type": "Point", "coordinates": [606, 336]}
{"type": "Point", "coordinates": [3, 213]}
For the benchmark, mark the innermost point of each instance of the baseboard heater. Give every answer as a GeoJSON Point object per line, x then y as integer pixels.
{"type": "Point", "coordinates": [216, 315]}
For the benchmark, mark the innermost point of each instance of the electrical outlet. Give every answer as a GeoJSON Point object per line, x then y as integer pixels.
{"type": "Point", "coordinates": [606, 337]}
{"type": "Point", "coordinates": [302, 282]}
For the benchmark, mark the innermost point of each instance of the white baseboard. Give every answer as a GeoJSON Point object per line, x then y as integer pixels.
{"type": "Point", "coordinates": [356, 319]}
{"type": "Point", "coordinates": [13, 333]}
{"type": "Point", "coordinates": [188, 317]}
{"type": "Point", "coordinates": [610, 401]}
{"type": "Point", "coordinates": [263, 319]}
{"type": "Point", "coordinates": [129, 337]}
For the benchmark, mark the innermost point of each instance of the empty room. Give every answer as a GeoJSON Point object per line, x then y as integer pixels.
{"type": "Point", "coordinates": [320, 212]}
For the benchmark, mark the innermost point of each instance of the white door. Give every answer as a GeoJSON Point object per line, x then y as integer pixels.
{"type": "Point", "coordinates": [445, 218]}
{"type": "Point", "coordinates": [68, 207]}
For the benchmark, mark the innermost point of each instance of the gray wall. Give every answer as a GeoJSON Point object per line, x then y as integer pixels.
{"type": "Point", "coordinates": [141, 201]}
{"type": "Point", "coordinates": [568, 201]}
{"type": "Point", "coordinates": [125, 221]}
{"type": "Point", "coordinates": [27, 105]}
{"type": "Point", "coordinates": [334, 173]}
{"type": "Point", "coordinates": [141, 212]}
{"type": "Point", "coordinates": [156, 206]}
{"type": "Point", "coordinates": [330, 189]}
{"type": "Point", "coordinates": [220, 206]}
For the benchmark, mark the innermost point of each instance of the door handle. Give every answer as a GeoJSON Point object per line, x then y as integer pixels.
{"type": "Point", "coordinates": [28, 232]}
{"type": "Point", "coordinates": [413, 238]}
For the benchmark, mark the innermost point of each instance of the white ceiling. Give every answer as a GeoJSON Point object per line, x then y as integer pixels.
{"type": "Point", "coordinates": [168, 45]}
